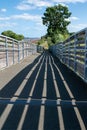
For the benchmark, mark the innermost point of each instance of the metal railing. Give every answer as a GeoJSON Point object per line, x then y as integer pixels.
{"type": "Point", "coordinates": [40, 49]}
{"type": "Point", "coordinates": [73, 53]}
{"type": "Point", "coordinates": [13, 51]}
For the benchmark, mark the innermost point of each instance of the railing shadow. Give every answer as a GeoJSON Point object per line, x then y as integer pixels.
{"type": "Point", "coordinates": [11, 87]}
{"type": "Point", "coordinates": [76, 85]}
{"type": "Point", "coordinates": [30, 110]}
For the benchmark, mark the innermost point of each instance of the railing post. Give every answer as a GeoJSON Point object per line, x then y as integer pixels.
{"type": "Point", "coordinates": [75, 42]}
{"type": "Point", "coordinates": [69, 52]}
{"type": "Point", "coordinates": [85, 68]}
{"type": "Point", "coordinates": [18, 53]}
{"type": "Point", "coordinates": [13, 50]}
{"type": "Point", "coordinates": [23, 49]}
{"type": "Point", "coordinates": [6, 45]}
{"type": "Point", "coordinates": [26, 49]}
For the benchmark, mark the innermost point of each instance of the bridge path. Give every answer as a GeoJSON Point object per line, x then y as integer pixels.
{"type": "Point", "coordinates": [40, 93]}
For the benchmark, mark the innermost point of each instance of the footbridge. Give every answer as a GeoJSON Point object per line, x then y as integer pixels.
{"type": "Point", "coordinates": [40, 91]}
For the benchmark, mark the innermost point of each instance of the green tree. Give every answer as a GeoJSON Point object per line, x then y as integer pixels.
{"type": "Point", "coordinates": [11, 34]}
{"type": "Point", "coordinates": [56, 20]}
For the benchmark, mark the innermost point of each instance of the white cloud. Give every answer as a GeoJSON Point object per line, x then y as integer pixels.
{"type": "Point", "coordinates": [24, 16]}
{"type": "Point", "coordinates": [75, 28]}
{"type": "Point", "coordinates": [42, 3]}
{"type": "Point", "coordinates": [69, 1]}
{"type": "Point", "coordinates": [3, 10]}
{"type": "Point", "coordinates": [25, 7]}
{"type": "Point", "coordinates": [64, 4]}
{"type": "Point", "coordinates": [73, 18]}
{"type": "Point", "coordinates": [39, 3]}
{"type": "Point", "coordinates": [7, 24]}
{"type": "Point", "coordinates": [4, 18]}
{"type": "Point", "coordinates": [32, 4]}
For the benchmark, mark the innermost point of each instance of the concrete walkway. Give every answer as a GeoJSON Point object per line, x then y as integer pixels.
{"type": "Point", "coordinates": [40, 93]}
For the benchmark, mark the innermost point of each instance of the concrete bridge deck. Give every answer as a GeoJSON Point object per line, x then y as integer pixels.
{"type": "Point", "coordinates": [40, 93]}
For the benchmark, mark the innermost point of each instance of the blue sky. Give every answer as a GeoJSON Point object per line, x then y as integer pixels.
{"type": "Point", "coordinates": [24, 16]}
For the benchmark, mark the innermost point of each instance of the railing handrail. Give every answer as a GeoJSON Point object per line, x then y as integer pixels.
{"type": "Point", "coordinates": [9, 38]}
{"type": "Point", "coordinates": [12, 51]}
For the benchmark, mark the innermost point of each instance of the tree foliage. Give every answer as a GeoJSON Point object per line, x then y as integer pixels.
{"type": "Point", "coordinates": [43, 42]}
{"type": "Point", "coordinates": [56, 20]}
{"type": "Point", "coordinates": [11, 34]}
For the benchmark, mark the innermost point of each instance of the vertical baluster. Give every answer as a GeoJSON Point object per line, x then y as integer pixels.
{"type": "Point", "coordinates": [13, 50]}
{"type": "Point", "coordinates": [85, 67]}
{"type": "Point", "coordinates": [18, 52]}
{"type": "Point", "coordinates": [6, 45]}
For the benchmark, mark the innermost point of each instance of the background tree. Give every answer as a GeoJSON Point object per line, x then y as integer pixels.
{"type": "Point", "coordinates": [56, 20]}
{"type": "Point", "coordinates": [11, 34]}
